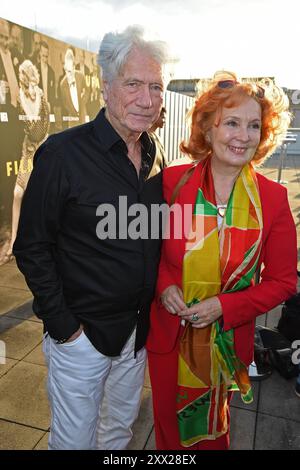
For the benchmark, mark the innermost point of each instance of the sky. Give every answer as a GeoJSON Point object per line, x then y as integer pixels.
{"type": "Point", "coordinates": [250, 37]}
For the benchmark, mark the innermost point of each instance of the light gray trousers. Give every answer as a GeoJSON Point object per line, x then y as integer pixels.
{"type": "Point", "coordinates": [94, 399]}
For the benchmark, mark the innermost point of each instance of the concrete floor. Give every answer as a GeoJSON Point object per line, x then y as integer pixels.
{"type": "Point", "coordinates": [272, 421]}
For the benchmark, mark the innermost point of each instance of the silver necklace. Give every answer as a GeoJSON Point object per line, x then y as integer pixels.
{"type": "Point", "coordinates": [221, 208]}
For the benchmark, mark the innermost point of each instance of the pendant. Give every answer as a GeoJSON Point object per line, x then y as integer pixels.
{"type": "Point", "coordinates": [221, 210]}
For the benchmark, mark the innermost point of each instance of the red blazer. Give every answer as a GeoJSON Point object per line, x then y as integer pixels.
{"type": "Point", "coordinates": [278, 277]}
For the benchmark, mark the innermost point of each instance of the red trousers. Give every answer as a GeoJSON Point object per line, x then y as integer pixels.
{"type": "Point", "coordinates": [163, 369]}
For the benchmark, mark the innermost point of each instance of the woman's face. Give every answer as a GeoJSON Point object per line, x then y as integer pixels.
{"type": "Point", "coordinates": [236, 137]}
{"type": "Point", "coordinates": [30, 90]}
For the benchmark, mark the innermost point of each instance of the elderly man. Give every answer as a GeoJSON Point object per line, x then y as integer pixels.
{"type": "Point", "coordinates": [93, 292]}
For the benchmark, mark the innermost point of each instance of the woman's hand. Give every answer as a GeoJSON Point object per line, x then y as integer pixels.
{"type": "Point", "coordinates": [172, 299]}
{"type": "Point", "coordinates": [204, 313]}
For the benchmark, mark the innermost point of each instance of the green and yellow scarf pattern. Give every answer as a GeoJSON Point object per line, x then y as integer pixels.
{"type": "Point", "coordinates": [216, 261]}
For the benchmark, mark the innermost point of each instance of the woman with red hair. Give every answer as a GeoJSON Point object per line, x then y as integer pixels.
{"type": "Point", "coordinates": [202, 320]}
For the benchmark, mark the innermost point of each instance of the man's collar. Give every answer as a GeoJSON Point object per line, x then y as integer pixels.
{"type": "Point", "coordinates": [109, 136]}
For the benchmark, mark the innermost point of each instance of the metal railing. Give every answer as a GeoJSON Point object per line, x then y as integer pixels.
{"type": "Point", "coordinates": [290, 138]}
{"type": "Point", "coordinates": [176, 127]}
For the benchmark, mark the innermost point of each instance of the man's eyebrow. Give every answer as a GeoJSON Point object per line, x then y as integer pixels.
{"type": "Point", "coordinates": [132, 79]}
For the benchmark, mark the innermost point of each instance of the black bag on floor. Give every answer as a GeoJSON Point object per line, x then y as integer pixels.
{"type": "Point", "coordinates": [277, 351]}
{"type": "Point", "coordinates": [289, 322]}
{"type": "Point", "coordinates": [262, 359]}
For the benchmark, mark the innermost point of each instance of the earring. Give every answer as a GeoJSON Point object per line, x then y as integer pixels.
{"type": "Point", "coordinates": [207, 138]}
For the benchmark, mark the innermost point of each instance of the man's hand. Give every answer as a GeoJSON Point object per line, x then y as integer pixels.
{"type": "Point", "coordinates": [75, 335]}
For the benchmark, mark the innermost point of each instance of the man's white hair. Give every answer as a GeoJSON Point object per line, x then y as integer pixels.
{"type": "Point", "coordinates": [115, 48]}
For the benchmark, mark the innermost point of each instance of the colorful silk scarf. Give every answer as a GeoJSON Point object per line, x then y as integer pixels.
{"type": "Point", "coordinates": [216, 261]}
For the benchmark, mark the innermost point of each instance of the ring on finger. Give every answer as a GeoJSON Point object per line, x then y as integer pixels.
{"type": "Point", "coordinates": [194, 317]}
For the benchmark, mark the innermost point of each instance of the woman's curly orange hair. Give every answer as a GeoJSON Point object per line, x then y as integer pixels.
{"type": "Point", "coordinates": [212, 98]}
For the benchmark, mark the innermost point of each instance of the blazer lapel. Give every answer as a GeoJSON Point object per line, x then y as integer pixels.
{"type": "Point", "coordinates": [187, 197]}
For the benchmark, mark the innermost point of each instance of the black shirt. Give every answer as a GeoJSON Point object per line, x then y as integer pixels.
{"type": "Point", "coordinates": [107, 285]}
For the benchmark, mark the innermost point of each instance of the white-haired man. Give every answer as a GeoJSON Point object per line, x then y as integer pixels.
{"type": "Point", "coordinates": [92, 292]}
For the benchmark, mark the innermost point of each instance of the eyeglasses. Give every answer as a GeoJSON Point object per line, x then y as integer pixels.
{"type": "Point", "coordinates": [224, 84]}
{"type": "Point", "coordinates": [260, 91]}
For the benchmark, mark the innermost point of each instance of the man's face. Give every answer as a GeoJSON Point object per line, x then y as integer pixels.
{"type": "Point", "coordinates": [15, 37]}
{"type": "Point", "coordinates": [135, 97]}
{"type": "Point", "coordinates": [4, 36]}
{"type": "Point", "coordinates": [70, 70]}
{"type": "Point", "coordinates": [44, 55]}
{"type": "Point", "coordinates": [36, 41]}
